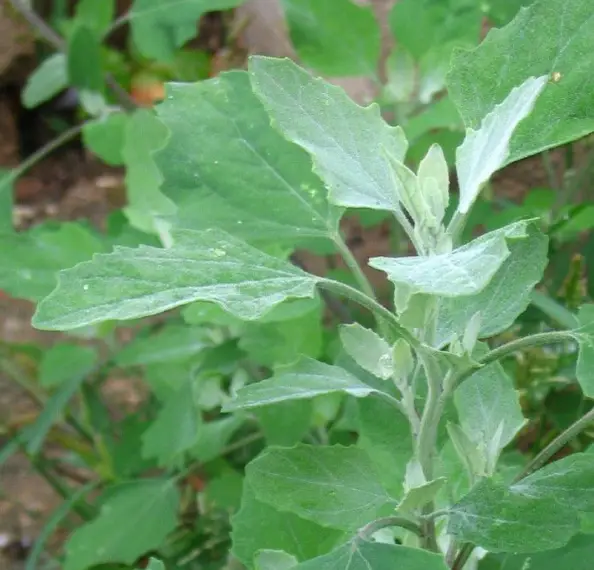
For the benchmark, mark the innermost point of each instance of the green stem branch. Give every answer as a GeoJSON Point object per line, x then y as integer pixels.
{"type": "Point", "coordinates": [353, 265]}
{"type": "Point", "coordinates": [370, 529]}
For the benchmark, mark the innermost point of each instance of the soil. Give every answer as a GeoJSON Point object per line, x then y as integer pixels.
{"type": "Point", "coordinates": [72, 184]}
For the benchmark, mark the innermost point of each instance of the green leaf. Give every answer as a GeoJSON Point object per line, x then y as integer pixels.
{"type": "Point", "coordinates": [175, 430]}
{"type": "Point", "coordinates": [30, 260]}
{"type": "Point", "coordinates": [95, 15]}
{"type": "Point", "coordinates": [64, 360]}
{"type": "Point", "coordinates": [208, 265]}
{"type": "Point", "coordinates": [499, 520]}
{"type": "Point", "coordinates": [171, 343]}
{"type": "Point", "coordinates": [257, 526]}
{"type": "Point", "coordinates": [370, 351]}
{"type": "Point", "coordinates": [154, 564]}
{"type": "Point", "coordinates": [286, 423]}
{"type": "Point", "coordinates": [158, 28]}
{"type": "Point", "coordinates": [417, 497]}
{"type": "Point", "coordinates": [585, 338]}
{"type": "Point", "coordinates": [436, 24]}
{"type": "Point", "coordinates": [505, 297]}
{"type": "Point", "coordinates": [84, 63]}
{"type": "Point", "coordinates": [274, 560]}
{"type": "Point", "coordinates": [363, 555]}
{"type": "Point", "coordinates": [213, 436]}
{"type": "Point", "coordinates": [7, 178]}
{"type": "Point", "coordinates": [316, 25]}
{"type": "Point", "coordinates": [149, 507]}
{"type": "Point", "coordinates": [144, 135]}
{"type": "Point", "coordinates": [569, 481]}
{"type": "Point", "coordinates": [486, 150]}
{"type": "Point", "coordinates": [303, 380]}
{"type": "Point", "coordinates": [347, 143]}
{"type": "Point", "coordinates": [385, 436]}
{"type": "Point", "coordinates": [333, 486]}
{"type": "Point", "coordinates": [224, 166]}
{"type": "Point", "coordinates": [547, 37]}
{"type": "Point", "coordinates": [105, 137]}
{"type": "Point", "coordinates": [464, 271]}
{"type": "Point", "coordinates": [46, 81]}
{"type": "Point", "coordinates": [485, 401]}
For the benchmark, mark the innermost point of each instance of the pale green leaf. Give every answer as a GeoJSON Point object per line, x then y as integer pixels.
{"type": "Point", "coordinates": [46, 81]}
{"type": "Point", "coordinates": [370, 351]}
{"type": "Point", "coordinates": [364, 555]}
{"type": "Point", "coordinates": [418, 497]}
{"type": "Point", "coordinates": [303, 380]}
{"type": "Point", "coordinates": [64, 360]}
{"type": "Point", "coordinates": [569, 481]}
{"type": "Point", "coordinates": [333, 486]}
{"type": "Point", "coordinates": [505, 297]}
{"type": "Point", "coordinates": [401, 76]}
{"type": "Point", "coordinates": [30, 260]}
{"type": "Point", "coordinates": [486, 150]}
{"type": "Point", "coordinates": [315, 27]}
{"type": "Point", "coordinates": [485, 400]}
{"type": "Point", "coordinates": [171, 343]}
{"type": "Point", "coordinates": [344, 140]}
{"type": "Point", "coordinates": [144, 135]}
{"type": "Point", "coordinates": [257, 526]}
{"type": "Point", "coordinates": [274, 560]}
{"type": "Point", "coordinates": [434, 181]}
{"type": "Point", "coordinates": [160, 27]}
{"type": "Point", "coordinates": [175, 429]}
{"type": "Point", "coordinates": [549, 36]}
{"type": "Point", "coordinates": [154, 564]}
{"type": "Point", "coordinates": [464, 271]}
{"type": "Point", "coordinates": [585, 338]}
{"type": "Point", "coordinates": [224, 166]}
{"type": "Point", "coordinates": [500, 520]}
{"type": "Point", "coordinates": [149, 507]}
{"type": "Point", "coordinates": [105, 137]}
{"type": "Point", "coordinates": [208, 265]}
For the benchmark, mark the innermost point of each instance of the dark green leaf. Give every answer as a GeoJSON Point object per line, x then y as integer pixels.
{"type": "Point", "coordinates": [334, 37]}
{"type": "Point", "coordinates": [84, 60]}
{"type": "Point", "coordinates": [347, 143]}
{"type": "Point", "coordinates": [500, 520]}
{"type": "Point", "coordinates": [285, 423]}
{"type": "Point", "coordinates": [258, 526]}
{"type": "Point", "coordinates": [97, 15]}
{"type": "Point", "coordinates": [333, 486]}
{"type": "Point", "coordinates": [208, 265]}
{"type": "Point", "coordinates": [6, 201]}
{"type": "Point", "coordinates": [547, 37]}
{"type": "Point", "coordinates": [46, 81]}
{"type": "Point", "coordinates": [585, 338]}
{"type": "Point", "coordinates": [214, 436]}
{"type": "Point", "coordinates": [225, 166]}
{"type": "Point", "coordinates": [149, 509]}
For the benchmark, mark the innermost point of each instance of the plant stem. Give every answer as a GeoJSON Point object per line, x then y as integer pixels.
{"type": "Point", "coordinates": [463, 556]}
{"type": "Point", "coordinates": [409, 231]}
{"type": "Point", "coordinates": [559, 442]}
{"type": "Point", "coordinates": [380, 312]}
{"type": "Point", "coordinates": [57, 42]}
{"type": "Point", "coordinates": [368, 530]}
{"type": "Point", "coordinates": [353, 265]}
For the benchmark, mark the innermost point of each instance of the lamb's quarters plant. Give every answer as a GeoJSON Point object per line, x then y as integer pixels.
{"type": "Point", "coordinates": [426, 484]}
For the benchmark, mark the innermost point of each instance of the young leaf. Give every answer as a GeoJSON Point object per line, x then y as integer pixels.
{"type": "Point", "coordinates": [569, 481]}
{"type": "Point", "coordinates": [418, 497]}
{"type": "Point", "coordinates": [303, 380]}
{"type": "Point", "coordinates": [465, 271]}
{"type": "Point", "coordinates": [499, 520]}
{"type": "Point", "coordinates": [175, 430]}
{"type": "Point", "coordinates": [144, 135]}
{"type": "Point", "coordinates": [150, 508]}
{"type": "Point", "coordinates": [171, 343]}
{"type": "Point", "coordinates": [548, 36]}
{"type": "Point", "coordinates": [226, 167]}
{"type": "Point", "coordinates": [105, 137]}
{"type": "Point", "coordinates": [315, 25]}
{"type": "Point", "coordinates": [484, 401]}
{"type": "Point", "coordinates": [345, 141]}
{"type": "Point", "coordinates": [158, 28]}
{"type": "Point", "coordinates": [434, 181]}
{"type": "Point", "coordinates": [257, 526]}
{"type": "Point", "coordinates": [333, 486]}
{"type": "Point", "coordinates": [363, 555]}
{"type": "Point", "coordinates": [505, 297]}
{"type": "Point", "coordinates": [370, 351]}
{"type": "Point", "coordinates": [46, 81]}
{"type": "Point", "coordinates": [484, 151]}
{"type": "Point", "coordinates": [208, 265]}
